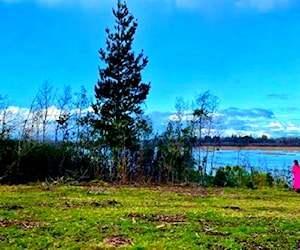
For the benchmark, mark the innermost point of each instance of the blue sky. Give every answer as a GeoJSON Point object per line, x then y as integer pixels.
{"type": "Point", "coordinates": [246, 52]}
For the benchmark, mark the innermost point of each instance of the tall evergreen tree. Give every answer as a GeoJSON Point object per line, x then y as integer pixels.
{"type": "Point", "coordinates": [120, 91]}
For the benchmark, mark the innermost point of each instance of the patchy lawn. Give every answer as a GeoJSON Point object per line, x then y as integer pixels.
{"type": "Point", "coordinates": [173, 217]}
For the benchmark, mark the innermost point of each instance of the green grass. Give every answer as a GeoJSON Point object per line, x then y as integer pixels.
{"type": "Point", "coordinates": [104, 217]}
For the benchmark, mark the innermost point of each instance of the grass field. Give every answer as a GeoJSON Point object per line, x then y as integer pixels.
{"type": "Point", "coordinates": [173, 217]}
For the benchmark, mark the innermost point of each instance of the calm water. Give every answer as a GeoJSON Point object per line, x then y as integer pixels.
{"type": "Point", "coordinates": [266, 160]}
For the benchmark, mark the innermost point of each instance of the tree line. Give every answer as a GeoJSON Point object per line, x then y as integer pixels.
{"type": "Point", "coordinates": [109, 137]}
{"type": "Point", "coordinates": [248, 140]}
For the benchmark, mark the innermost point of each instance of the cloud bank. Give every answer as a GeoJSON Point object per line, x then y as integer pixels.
{"type": "Point", "coordinates": [235, 121]}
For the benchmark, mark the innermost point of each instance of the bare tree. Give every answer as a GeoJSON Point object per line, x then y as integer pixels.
{"type": "Point", "coordinates": [204, 124]}
{"type": "Point", "coordinates": [82, 105]}
{"type": "Point", "coordinates": [65, 113]}
{"type": "Point", "coordinates": [26, 141]}
{"type": "Point", "coordinates": [44, 108]}
{"type": "Point", "coordinates": [6, 119]}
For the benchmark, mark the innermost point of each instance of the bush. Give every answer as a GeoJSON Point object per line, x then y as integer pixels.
{"type": "Point", "coordinates": [23, 162]}
{"type": "Point", "coordinates": [260, 179]}
{"type": "Point", "coordinates": [236, 176]}
{"type": "Point", "coordinates": [231, 176]}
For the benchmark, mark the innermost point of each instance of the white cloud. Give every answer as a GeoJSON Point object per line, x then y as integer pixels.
{"type": "Point", "coordinates": [273, 128]}
{"type": "Point", "coordinates": [186, 117]}
{"type": "Point", "coordinates": [275, 125]}
{"type": "Point", "coordinates": [22, 113]}
{"type": "Point", "coordinates": [292, 127]}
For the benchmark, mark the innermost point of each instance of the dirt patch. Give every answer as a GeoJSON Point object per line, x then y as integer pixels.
{"type": "Point", "coordinates": [24, 224]}
{"type": "Point", "coordinates": [182, 189]}
{"type": "Point", "coordinates": [298, 244]}
{"type": "Point", "coordinates": [159, 218]}
{"type": "Point", "coordinates": [10, 207]}
{"type": "Point", "coordinates": [170, 219]}
{"type": "Point", "coordinates": [233, 208]}
{"type": "Point", "coordinates": [249, 244]}
{"type": "Point", "coordinates": [103, 229]}
{"type": "Point", "coordinates": [73, 205]}
{"type": "Point", "coordinates": [45, 204]}
{"type": "Point", "coordinates": [265, 244]}
{"type": "Point", "coordinates": [108, 203]}
{"type": "Point", "coordinates": [97, 189]}
{"type": "Point", "coordinates": [118, 241]}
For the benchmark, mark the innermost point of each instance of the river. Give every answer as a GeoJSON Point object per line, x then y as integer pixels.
{"type": "Point", "coordinates": [269, 160]}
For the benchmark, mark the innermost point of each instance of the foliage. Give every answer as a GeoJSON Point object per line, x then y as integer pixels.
{"type": "Point", "coordinates": [204, 125]}
{"type": "Point", "coordinates": [261, 179]}
{"type": "Point", "coordinates": [174, 157]}
{"type": "Point", "coordinates": [231, 176]}
{"type": "Point", "coordinates": [119, 91]}
{"type": "Point", "coordinates": [236, 176]}
{"type": "Point", "coordinates": [120, 94]}
{"type": "Point", "coordinates": [39, 161]}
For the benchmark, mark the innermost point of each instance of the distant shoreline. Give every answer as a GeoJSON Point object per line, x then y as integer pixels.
{"type": "Point", "coordinates": [283, 148]}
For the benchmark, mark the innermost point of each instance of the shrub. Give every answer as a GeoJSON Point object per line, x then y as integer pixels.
{"type": "Point", "coordinates": [231, 176]}
{"type": "Point", "coordinates": [38, 161]}
{"type": "Point", "coordinates": [261, 179]}
{"type": "Point", "coordinates": [236, 176]}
